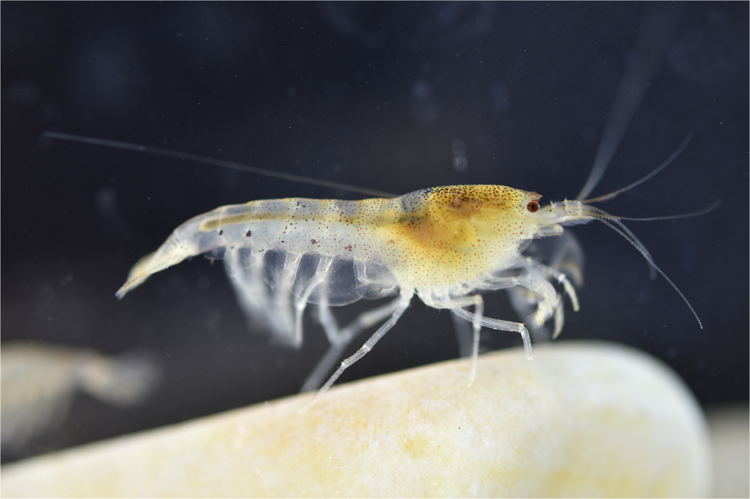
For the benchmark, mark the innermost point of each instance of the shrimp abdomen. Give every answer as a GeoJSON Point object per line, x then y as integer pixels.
{"type": "Point", "coordinates": [294, 225]}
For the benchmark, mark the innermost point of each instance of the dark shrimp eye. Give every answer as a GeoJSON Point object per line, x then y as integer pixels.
{"type": "Point", "coordinates": [533, 206]}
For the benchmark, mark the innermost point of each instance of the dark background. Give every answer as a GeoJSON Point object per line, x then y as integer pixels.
{"type": "Point", "coordinates": [373, 95]}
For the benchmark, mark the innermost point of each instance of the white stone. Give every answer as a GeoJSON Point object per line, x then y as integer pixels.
{"type": "Point", "coordinates": [594, 419]}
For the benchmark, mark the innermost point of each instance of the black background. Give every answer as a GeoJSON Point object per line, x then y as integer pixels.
{"type": "Point", "coordinates": [373, 95]}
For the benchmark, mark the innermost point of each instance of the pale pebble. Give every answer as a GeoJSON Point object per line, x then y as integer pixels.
{"type": "Point", "coordinates": [593, 419]}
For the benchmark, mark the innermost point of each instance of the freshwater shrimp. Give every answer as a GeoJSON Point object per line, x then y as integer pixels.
{"type": "Point", "coordinates": [447, 245]}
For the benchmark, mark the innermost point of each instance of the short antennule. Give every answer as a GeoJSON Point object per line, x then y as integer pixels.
{"type": "Point", "coordinates": [597, 212]}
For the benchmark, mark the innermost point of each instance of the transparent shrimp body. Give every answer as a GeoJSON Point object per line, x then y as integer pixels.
{"type": "Point", "coordinates": [445, 244]}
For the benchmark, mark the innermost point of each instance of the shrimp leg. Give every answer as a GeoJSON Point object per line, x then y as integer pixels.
{"type": "Point", "coordinates": [548, 300]}
{"type": "Point", "coordinates": [455, 305]}
{"type": "Point", "coordinates": [500, 326]}
{"type": "Point", "coordinates": [341, 339]}
{"type": "Point", "coordinates": [403, 304]}
{"type": "Point", "coordinates": [463, 335]}
{"type": "Point", "coordinates": [244, 266]}
{"type": "Point", "coordinates": [561, 278]}
{"type": "Point", "coordinates": [567, 286]}
{"type": "Point", "coordinates": [282, 297]}
{"type": "Point", "coordinates": [301, 302]}
{"type": "Point", "coordinates": [533, 278]}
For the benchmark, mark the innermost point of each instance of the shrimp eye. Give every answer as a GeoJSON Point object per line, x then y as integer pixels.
{"type": "Point", "coordinates": [533, 206]}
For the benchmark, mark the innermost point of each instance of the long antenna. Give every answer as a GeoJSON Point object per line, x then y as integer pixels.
{"type": "Point", "coordinates": [645, 255]}
{"type": "Point", "coordinates": [216, 162]}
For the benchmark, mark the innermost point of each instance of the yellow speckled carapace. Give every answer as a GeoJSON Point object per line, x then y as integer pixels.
{"type": "Point", "coordinates": [451, 235]}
